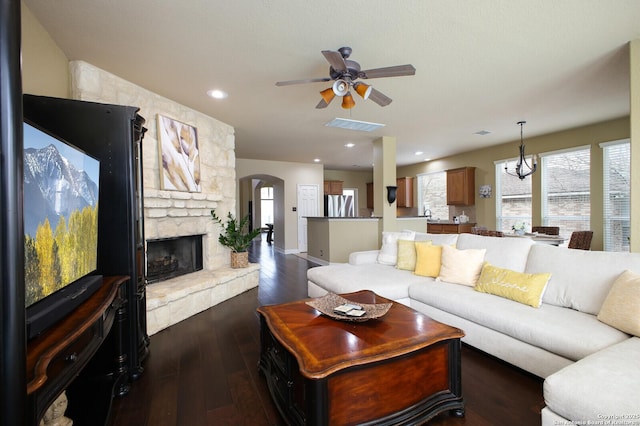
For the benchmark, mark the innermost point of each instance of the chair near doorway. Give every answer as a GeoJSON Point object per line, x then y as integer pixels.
{"type": "Point", "coordinates": [580, 240]}
{"type": "Point", "coordinates": [269, 233]}
{"type": "Point", "coordinates": [547, 230]}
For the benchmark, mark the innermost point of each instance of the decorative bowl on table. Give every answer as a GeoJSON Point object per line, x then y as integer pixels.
{"type": "Point", "coordinates": [327, 303]}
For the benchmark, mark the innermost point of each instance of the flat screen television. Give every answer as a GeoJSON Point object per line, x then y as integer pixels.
{"type": "Point", "coordinates": [60, 205]}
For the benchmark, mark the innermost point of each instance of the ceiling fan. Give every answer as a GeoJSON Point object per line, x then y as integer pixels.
{"type": "Point", "coordinates": [345, 72]}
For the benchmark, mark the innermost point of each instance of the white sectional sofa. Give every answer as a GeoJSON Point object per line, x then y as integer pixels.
{"type": "Point", "coordinates": [591, 369]}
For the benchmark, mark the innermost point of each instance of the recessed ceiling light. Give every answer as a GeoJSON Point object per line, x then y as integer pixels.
{"type": "Point", "coordinates": [482, 132]}
{"type": "Point", "coordinates": [419, 152]}
{"type": "Point", "coordinates": [217, 94]}
{"type": "Point", "coordinates": [349, 145]}
{"type": "Point", "coordinates": [316, 160]}
{"type": "Point", "coordinates": [427, 159]}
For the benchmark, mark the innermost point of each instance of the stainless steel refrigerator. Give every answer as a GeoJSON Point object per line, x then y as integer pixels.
{"type": "Point", "coordinates": [338, 206]}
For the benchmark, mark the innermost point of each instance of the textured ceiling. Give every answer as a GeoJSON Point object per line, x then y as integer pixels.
{"type": "Point", "coordinates": [481, 65]}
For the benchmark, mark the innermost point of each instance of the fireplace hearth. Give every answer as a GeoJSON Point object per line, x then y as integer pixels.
{"type": "Point", "coordinates": [171, 257]}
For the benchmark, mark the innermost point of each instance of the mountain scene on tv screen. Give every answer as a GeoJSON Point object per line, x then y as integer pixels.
{"type": "Point", "coordinates": [60, 219]}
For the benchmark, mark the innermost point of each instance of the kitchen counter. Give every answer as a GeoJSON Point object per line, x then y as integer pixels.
{"type": "Point", "coordinates": [344, 217]}
{"type": "Point", "coordinates": [448, 227]}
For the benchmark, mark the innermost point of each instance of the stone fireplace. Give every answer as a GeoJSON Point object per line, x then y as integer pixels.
{"type": "Point", "coordinates": [172, 214]}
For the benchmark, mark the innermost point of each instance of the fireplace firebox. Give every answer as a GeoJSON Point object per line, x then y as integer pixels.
{"type": "Point", "coordinates": [171, 257]}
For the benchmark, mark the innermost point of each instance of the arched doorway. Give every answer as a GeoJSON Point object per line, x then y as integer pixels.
{"type": "Point", "coordinates": [262, 197]}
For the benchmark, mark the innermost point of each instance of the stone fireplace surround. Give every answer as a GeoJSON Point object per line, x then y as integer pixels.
{"type": "Point", "coordinates": [175, 213]}
{"type": "Point", "coordinates": [172, 213]}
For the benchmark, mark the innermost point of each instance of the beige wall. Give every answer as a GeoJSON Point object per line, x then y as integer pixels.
{"type": "Point", "coordinates": [634, 71]}
{"type": "Point", "coordinates": [484, 160]}
{"type": "Point", "coordinates": [354, 179]}
{"type": "Point", "coordinates": [45, 69]}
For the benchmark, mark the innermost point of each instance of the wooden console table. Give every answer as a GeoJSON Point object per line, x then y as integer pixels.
{"type": "Point", "coordinates": [58, 355]}
{"type": "Point", "coordinates": [401, 369]}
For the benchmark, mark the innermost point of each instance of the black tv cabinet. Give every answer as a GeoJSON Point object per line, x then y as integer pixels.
{"type": "Point", "coordinates": [113, 134]}
{"type": "Point", "coordinates": [60, 353]}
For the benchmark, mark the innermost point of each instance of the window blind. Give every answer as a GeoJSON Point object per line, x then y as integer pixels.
{"type": "Point", "coordinates": [566, 191]}
{"type": "Point", "coordinates": [616, 195]}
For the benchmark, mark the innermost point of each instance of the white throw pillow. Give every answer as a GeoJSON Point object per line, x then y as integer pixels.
{"type": "Point", "coordinates": [388, 254]}
{"type": "Point", "coordinates": [461, 266]}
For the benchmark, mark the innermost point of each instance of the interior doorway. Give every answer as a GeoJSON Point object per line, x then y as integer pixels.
{"type": "Point", "coordinates": [308, 205]}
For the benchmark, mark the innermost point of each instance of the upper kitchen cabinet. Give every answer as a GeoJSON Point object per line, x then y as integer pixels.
{"type": "Point", "coordinates": [332, 187]}
{"type": "Point", "coordinates": [404, 196]}
{"type": "Point", "coordinates": [461, 186]}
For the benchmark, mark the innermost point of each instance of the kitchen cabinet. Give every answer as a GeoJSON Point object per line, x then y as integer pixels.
{"type": "Point", "coordinates": [450, 228]}
{"type": "Point", "coordinates": [461, 186]}
{"type": "Point", "coordinates": [404, 196]}
{"type": "Point", "coordinates": [370, 195]}
{"type": "Point", "coordinates": [332, 187]}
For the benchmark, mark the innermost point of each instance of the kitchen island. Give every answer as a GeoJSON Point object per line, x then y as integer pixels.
{"type": "Point", "coordinates": [332, 239]}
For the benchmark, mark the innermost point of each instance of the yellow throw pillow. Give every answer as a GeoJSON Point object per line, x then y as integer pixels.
{"type": "Point", "coordinates": [517, 286]}
{"type": "Point", "coordinates": [407, 255]}
{"type": "Point", "coordinates": [428, 258]}
{"type": "Point", "coordinates": [461, 266]}
{"type": "Point", "coordinates": [621, 308]}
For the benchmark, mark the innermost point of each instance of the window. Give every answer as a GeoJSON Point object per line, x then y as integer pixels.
{"type": "Point", "coordinates": [513, 200]}
{"type": "Point", "coordinates": [616, 194]}
{"type": "Point", "coordinates": [266, 205]}
{"type": "Point", "coordinates": [566, 191]}
{"type": "Point", "coordinates": [432, 195]}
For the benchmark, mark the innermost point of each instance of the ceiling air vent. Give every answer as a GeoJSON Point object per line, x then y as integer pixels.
{"type": "Point", "coordinates": [361, 126]}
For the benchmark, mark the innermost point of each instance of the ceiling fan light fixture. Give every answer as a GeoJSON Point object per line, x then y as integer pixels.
{"type": "Point", "coordinates": [347, 101]}
{"type": "Point", "coordinates": [364, 90]}
{"type": "Point", "coordinates": [328, 95]}
{"type": "Point", "coordinates": [340, 87]}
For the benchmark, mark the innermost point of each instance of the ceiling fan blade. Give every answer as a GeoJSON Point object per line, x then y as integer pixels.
{"type": "Point", "coordinates": [306, 80]}
{"type": "Point", "coordinates": [379, 97]}
{"type": "Point", "coordinates": [395, 71]}
{"type": "Point", "coordinates": [335, 59]}
{"type": "Point", "coordinates": [322, 104]}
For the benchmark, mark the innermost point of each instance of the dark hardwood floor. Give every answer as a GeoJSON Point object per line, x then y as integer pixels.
{"type": "Point", "coordinates": [203, 371]}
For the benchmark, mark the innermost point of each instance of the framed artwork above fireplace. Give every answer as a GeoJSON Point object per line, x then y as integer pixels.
{"type": "Point", "coordinates": [179, 155]}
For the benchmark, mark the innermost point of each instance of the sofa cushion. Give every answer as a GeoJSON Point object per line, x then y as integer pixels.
{"type": "Point", "coordinates": [389, 251]}
{"type": "Point", "coordinates": [503, 252]}
{"type": "Point", "coordinates": [621, 308]}
{"type": "Point", "coordinates": [602, 388]}
{"type": "Point", "coordinates": [428, 259]}
{"type": "Point", "coordinates": [385, 280]}
{"type": "Point", "coordinates": [562, 331]}
{"type": "Point", "coordinates": [461, 266]}
{"type": "Point", "coordinates": [517, 286]}
{"type": "Point", "coordinates": [437, 239]}
{"type": "Point", "coordinates": [580, 279]}
{"type": "Point", "coordinates": [407, 254]}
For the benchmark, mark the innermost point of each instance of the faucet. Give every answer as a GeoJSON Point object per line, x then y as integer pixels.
{"type": "Point", "coordinates": [428, 215]}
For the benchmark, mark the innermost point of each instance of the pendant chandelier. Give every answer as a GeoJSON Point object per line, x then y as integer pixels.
{"type": "Point", "coordinates": [523, 168]}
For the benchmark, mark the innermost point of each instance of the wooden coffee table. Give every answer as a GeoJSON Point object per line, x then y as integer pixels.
{"type": "Point", "coordinates": [401, 369]}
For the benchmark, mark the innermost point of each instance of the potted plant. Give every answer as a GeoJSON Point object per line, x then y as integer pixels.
{"type": "Point", "coordinates": [236, 235]}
